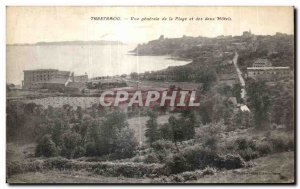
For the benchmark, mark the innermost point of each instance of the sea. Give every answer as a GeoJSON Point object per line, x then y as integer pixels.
{"type": "Point", "coordinates": [95, 60]}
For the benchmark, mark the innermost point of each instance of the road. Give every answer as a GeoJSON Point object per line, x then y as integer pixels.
{"type": "Point", "coordinates": [240, 75]}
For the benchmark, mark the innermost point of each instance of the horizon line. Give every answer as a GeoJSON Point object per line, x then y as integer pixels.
{"type": "Point", "coordinates": [125, 43]}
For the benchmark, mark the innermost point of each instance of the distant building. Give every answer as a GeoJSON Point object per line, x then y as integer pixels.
{"type": "Point", "coordinates": [239, 45]}
{"type": "Point", "coordinates": [262, 63]}
{"type": "Point", "coordinates": [52, 79]}
{"type": "Point", "coordinates": [247, 33]}
{"type": "Point", "coordinates": [106, 82]}
{"type": "Point", "coordinates": [39, 78]}
{"type": "Point", "coordinates": [75, 87]}
{"type": "Point", "coordinates": [11, 86]}
{"type": "Point", "coordinates": [81, 78]}
{"type": "Point", "coordinates": [244, 108]}
{"type": "Point", "coordinates": [262, 69]}
{"type": "Point", "coordinates": [268, 73]}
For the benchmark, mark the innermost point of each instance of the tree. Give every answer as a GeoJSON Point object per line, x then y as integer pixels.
{"type": "Point", "coordinates": [46, 147]}
{"type": "Point", "coordinates": [29, 108]}
{"type": "Point", "coordinates": [79, 112]}
{"type": "Point", "coordinates": [71, 144]}
{"type": "Point", "coordinates": [152, 133]}
{"type": "Point", "coordinates": [58, 129]}
{"type": "Point", "coordinates": [107, 134]}
{"type": "Point", "coordinates": [177, 132]}
{"type": "Point", "coordinates": [206, 109]}
{"type": "Point", "coordinates": [189, 121]}
{"type": "Point", "coordinates": [236, 91]}
{"type": "Point", "coordinates": [207, 76]}
{"type": "Point", "coordinates": [134, 75]}
{"type": "Point", "coordinates": [288, 116]}
{"type": "Point", "coordinates": [126, 144]}
{"type": "Point", "coordinates": [260, 102]}
{"type": "Point", "coordinates": [183, 73]}
{"type": "Point", "coordinates": [165, 132]}
{"type": "Point", "coordinates": [83, 126]}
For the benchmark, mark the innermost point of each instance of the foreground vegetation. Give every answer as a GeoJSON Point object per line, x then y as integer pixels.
{"type": "Point", "coordinates": [187, 146]}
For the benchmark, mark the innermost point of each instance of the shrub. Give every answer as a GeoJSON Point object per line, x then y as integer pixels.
{"type": "Point", "coordinates": [199, 158]}
{"type": "Point", "coordinates": [151, 158]}
{"type": "Point", "coordinates": [13, 153]}
{"type": "Point", "coordinates": [71, 142]}
{"type": "Point", "coordinates": [211, 143]}
{"type": "Point", "coordinates": [209, 171]}
{"type": "Point", "coordinates": [181, 177]}
{"type": "Point", "coordinates": [166, 132]}
{"type": "Point", "coordinates": [125, 144]}
{"type": "Point", "coordinates": [243, 143]}
{"type": "Point", "coordinates": [264, 148]}
{"type": "Point", "coordinates": [278, 144]}
{"type": "Point", "coordinates": [290, 144]}
{"type": "Point", "coordinates": [248, 154]}
{"type": "Point", "coordinates": [137, 159]}
{"type": "Point", "coordinates": [177, 164]}
{"type": "Point", "coordinates": [56, 163]}
{"type": "Point", "coordinates": [152, 132]}
{"type": "Point", "coordinates": [133, 170]}
{"type": "Point", "coordinates": [191, 175]}
{"type": "Point", "coordinates": [246, 149]}
{"type": "Point", "coordinates": [90, 149]}
{"type": "Point", "coordinates": [178, 178]}
{"type": "Point", "coordinates": [46, 147]}
{"type": "Point", "coordinates": [282, 143]}
{"type": "Point", "coordinates": [230, 161]}
{"type": "Point", "coordinates": [23, 167]}
{"type": "Point", "coordinates": [162, 145]}
{"type": "Point", "coordinates": [79, 152]}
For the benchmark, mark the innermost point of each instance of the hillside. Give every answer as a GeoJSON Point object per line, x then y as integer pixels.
{"type": "Point", "coordinates": [278, 48]}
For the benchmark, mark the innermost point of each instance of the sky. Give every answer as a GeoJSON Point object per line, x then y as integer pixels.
{"type": "Point", "coordinates": [48, 24]}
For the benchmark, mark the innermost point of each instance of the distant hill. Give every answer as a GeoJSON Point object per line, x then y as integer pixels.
{"type": "Point", "coordinates": [211, 57]}
{"type": "Point", "coordinates": [100, 42]}
{"type": "Point", "coordinates": [192, 47]}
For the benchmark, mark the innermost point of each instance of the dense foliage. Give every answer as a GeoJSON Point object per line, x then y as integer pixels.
{"type": "Point", "coordinates": [72, 133]}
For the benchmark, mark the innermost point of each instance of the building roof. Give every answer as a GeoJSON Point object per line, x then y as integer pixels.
{"type": "Point", "coordinates": [261, 60]}
{"type": "Point", "coordinates": [244, 108]}
{"type": "Point", "coordinates": [63, 73]}
{"type": "Point", "coordinates": [40, 70]}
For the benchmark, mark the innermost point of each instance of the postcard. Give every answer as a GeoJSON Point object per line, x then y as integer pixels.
{"type": "Point", "coordinates": [150, 95]}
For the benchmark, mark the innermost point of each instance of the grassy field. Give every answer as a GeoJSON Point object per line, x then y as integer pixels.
{"type": "Point", "coordinates": [70, 177]}
{"type": "Point", "coordinates": [138, 124]}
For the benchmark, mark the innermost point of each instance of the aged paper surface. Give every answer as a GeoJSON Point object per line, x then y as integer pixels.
{"type": "Point", "coordinates": [150, 95]}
